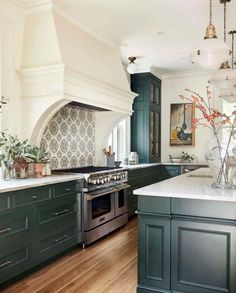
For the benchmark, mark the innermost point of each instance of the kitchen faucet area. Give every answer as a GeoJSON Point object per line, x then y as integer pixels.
{"type": "Point", "coordinates": [117, 146]}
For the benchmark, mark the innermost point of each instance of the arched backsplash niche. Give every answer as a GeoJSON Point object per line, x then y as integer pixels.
{"type": "Point", "coordinates": [69, 138]}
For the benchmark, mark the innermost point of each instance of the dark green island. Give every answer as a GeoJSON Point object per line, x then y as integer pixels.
{"type": "Point", "coordinates": [186, 236]}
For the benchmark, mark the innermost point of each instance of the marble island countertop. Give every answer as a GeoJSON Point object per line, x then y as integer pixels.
{"type": "Point", "coordinates": [192, 185]}
{"type": "Point", "coordinates": [17, 184]}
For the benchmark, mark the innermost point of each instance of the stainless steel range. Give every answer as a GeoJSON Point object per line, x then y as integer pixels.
{"type": "Point", "coordinates": [104, 200]}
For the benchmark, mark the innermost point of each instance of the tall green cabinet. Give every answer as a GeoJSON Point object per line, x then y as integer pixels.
{"type": "Point", "coordinates": [146, 118]}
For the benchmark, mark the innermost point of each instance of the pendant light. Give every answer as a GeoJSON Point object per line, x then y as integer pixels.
{"type": "Point", "coordinates": [225, 77]}
{"type": "Point", "coordinates": [131, 68]}
{"type": "Point", "coordinates": [211, 52]}
{"type": "Point", "coordinates": [228, 93]}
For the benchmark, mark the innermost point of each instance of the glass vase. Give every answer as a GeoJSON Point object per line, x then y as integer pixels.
{"type": "Point", "coordinates": [221, 157]}
{"type": "Point", "coordinates": [7, 173]}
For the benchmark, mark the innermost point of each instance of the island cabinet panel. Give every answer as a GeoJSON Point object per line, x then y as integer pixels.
{"type": "Point", "coordinates": [203, 257]}
{"type": "Point", "coordinates": [154, 253]}
{"type": "Point", "coordinates": [196, 238]}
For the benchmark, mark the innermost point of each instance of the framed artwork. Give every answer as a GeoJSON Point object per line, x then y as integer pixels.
{"type": "Point", "coordinates": [181, 124]}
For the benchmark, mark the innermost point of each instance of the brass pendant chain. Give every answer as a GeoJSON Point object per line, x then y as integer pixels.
{"type": "Point", "coordinates": [225, 22]}
{"type": "Point", "coordinates": [210, 12]}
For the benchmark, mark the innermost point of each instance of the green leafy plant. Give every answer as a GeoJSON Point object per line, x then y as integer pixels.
{"type": "Point", "coordinates": [187, 157]}
{"type": "Point", "coordinates": [12, 148]}
{"type": "Point", "coordinates": [37, 155]}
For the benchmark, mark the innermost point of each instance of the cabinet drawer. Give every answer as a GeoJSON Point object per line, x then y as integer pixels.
{"type": "Point", "coordinates": [153, 204]}
{"type": "Point", "coordinates": [66, 188]}
{"type": "Point", "coordinates": [16, 223]}
{"type": "Point", "coordinates": [31, 195]}
{"type": "Point", "coordinates": [5, 201]}
{"type": "Point", "coordinates": [57, 209]}
{"type": "Point", "coordinates": [50, 244]}
{"type": "Point", "coordinates": [204, 208]}
{"type": "Point", "coordinates": [14, 259]}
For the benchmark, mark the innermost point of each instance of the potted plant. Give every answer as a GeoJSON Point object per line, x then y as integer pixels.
{"type": "Point", "coordinates": [39, 157]}
{"type": "Point", "coordinates": [13, 155]}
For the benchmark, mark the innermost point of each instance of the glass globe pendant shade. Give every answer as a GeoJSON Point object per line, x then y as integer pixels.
{"type": "Point", "coordinates": [131, 68]}
{"type": "Point", "coordinates": [229, 95]}
{"type": "Point", "coordinates": [224, 79]}
{"type": "Point", "coordinates": [211, 53]}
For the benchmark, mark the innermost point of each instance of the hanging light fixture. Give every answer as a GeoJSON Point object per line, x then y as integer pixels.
{"type": "Point", "coordinates": [211, 52]}
{"type": "Point", "coordinates": [228, 93]}
{"type": "Point", "coordinates": [131, 68]}
{"type": "Point", "coordinates": [225, 77]}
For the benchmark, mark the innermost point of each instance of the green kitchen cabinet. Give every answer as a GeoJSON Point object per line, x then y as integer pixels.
{"type": "Point", "coordinates": [203, 256]}
{"type": "Point", "coordinates": [138, 178]}
{"type": "Point", "coordinates": [186, 245]}
{"type": "Point", "coordinates": [169, 171]}
{"type": "Point", "coordinates": [154, 252]}
{"type": "Point", "coordinates": [146, 118]}
{"type": "Point", "coordinates": [36, 224]}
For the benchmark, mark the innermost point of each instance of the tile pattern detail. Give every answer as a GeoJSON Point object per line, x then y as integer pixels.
{"type": "Point", "coordinates": [70, 138]}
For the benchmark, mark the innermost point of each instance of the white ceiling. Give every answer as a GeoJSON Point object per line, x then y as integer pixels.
{"type": "Point", "coordinates": [158, 32]}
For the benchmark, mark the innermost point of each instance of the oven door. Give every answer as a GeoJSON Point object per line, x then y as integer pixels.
{"type": "Point", "coordinates": [98, 209]}
{"type": "Point", "coordinates": [121, 206]}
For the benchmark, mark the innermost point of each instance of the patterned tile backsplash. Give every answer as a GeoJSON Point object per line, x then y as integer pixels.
{"type": "Point", "coordinates": [69, 138]}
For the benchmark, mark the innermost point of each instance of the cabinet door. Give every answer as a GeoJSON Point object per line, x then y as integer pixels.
{"type": "Point", "coordinates": [154, 253]}
{"type": "Point", "coordinates": [203, 257]}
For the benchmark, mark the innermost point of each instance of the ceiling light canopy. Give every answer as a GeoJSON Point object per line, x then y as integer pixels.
{"type": "Point", "coordinates": [211, 52]}
{"type": "Point", "coordinates": [131, 68]}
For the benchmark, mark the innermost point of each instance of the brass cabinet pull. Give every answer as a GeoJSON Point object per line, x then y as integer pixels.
{"type": "Point", "coordinates": [60, 239]}
{"type": "Point", "coordinates": [60, 212]}
{"type": "Point", "coordinates": [34, 197]}
{"type": "Point", "coordinates": [68, 189]}
{"type": "Point", "coordinates": [6, 263]}
{"type": "Point", "coordinates": [5, 230]}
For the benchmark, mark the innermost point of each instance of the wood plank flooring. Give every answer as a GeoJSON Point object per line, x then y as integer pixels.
{"type": "Point", "coordinates": [107, 266]}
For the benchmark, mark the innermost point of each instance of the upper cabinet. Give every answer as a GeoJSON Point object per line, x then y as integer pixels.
{"type": "Point", "coordinates": [146, 118]}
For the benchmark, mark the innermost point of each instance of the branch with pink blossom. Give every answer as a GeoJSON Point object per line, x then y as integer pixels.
{"type": "Point", "coordinates": [214, 120]}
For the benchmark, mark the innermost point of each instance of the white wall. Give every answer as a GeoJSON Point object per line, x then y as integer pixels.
{"type": "Point", "coordinates": [11, 34]}
{"type": "Point", "coordinates": [172, 87]}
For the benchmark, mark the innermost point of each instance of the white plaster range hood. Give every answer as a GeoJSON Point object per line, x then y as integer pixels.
{"type": "Point", "coordinates": [62, 63]}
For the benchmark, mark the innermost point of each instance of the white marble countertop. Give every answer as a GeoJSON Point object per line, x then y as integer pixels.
{"type": "Point", "coordinates": [185, 186]}
{"type": "Point", "coordinates": [146, 165]}
{"type": "Point", "coordinates": [17, 184]}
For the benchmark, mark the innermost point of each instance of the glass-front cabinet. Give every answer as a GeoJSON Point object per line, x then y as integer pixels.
{"type": "Point", "coordinates": [146, 118]}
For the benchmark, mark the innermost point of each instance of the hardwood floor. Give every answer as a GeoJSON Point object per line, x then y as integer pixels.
{"type": "Point", "coordinates": [107, 266]}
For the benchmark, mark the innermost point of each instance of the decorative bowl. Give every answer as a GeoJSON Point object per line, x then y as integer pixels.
{"type": "Point", "coordinates": [176, 159]}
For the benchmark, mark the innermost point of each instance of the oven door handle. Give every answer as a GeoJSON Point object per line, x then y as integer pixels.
{"type": "Point", "coordinates": [91, 196]}
{"type": "Point", "coordinates": [125, 186]}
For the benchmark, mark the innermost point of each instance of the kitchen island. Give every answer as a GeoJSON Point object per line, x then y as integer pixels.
{"type": "Point", "coordinates": [187, 236]}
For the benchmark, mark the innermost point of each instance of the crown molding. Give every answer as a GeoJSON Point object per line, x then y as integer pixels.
{"type": "Point", "coordinates": [190, 73]}
{"type": "Point", "coordinates": [33, 6]}
{"type": "Point", "coordinates": [87, 26]}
